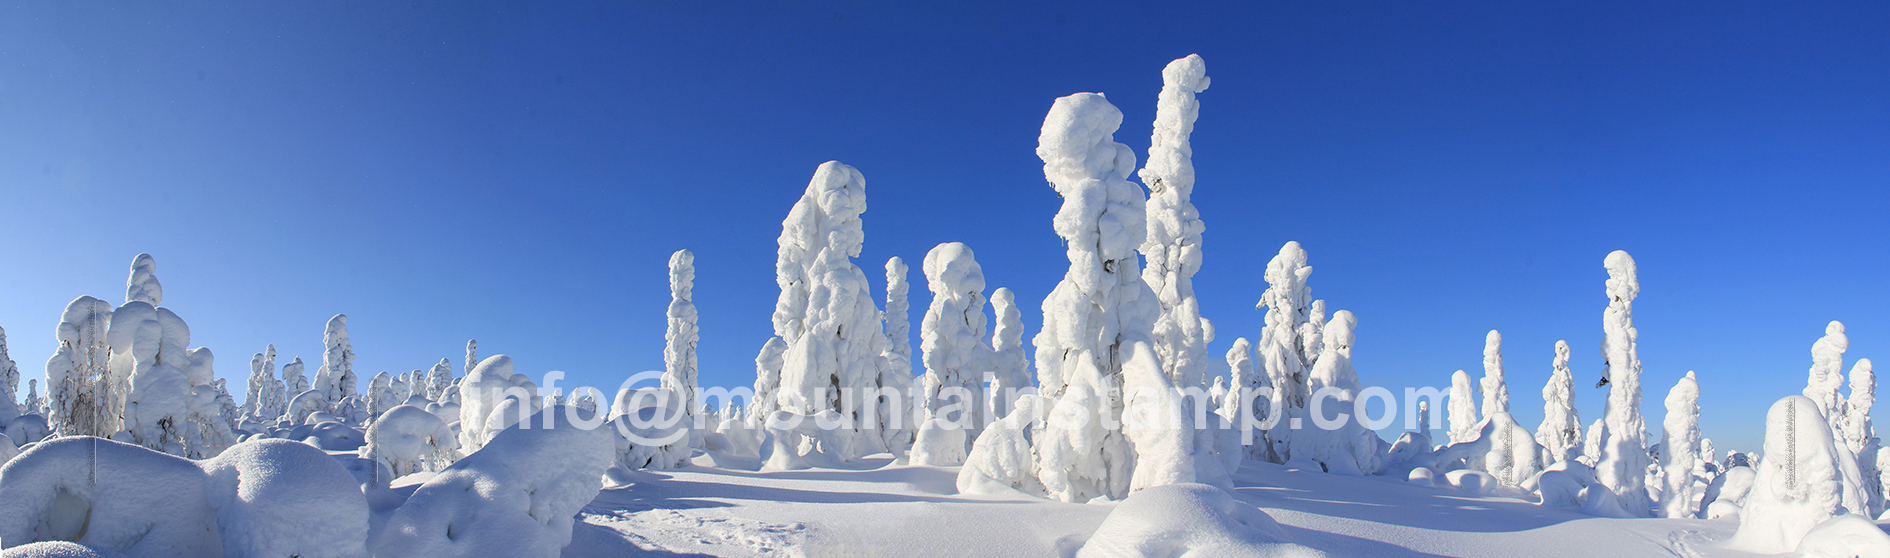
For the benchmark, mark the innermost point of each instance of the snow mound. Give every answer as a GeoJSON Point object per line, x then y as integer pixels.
{"type": "Point", "coordinates": [107, 495]}
{"type": "Point", "coordinates": [1797, 486]}
{"type": "Point", "coordinates": [1188, 520]}
{"type": "Point", "coordinates": [282, 498]}
{"type": "Point", "coordinates": [27, 429]}
{"type": "Point", "coordinates": [1845, 536]}
{"type": "Point", "coordinates": [57, 549]}
{"type": "Point", "coordinates": [514, 497]}
{"type": "Point", "coordinates": [409, 440]}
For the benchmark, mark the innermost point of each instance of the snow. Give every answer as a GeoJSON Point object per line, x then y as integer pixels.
{"type": "Point", "coordinates": [1847, 536]}
{"type": "Point", "coordinates": [1680, 447]}
{"type": "Point", "coordinates": [514, 497]}
{"type": "Point", "coordinates": [483, 391]}
{"type": "Point", "coordinates": [57, 549]}
{"type": "Point", "coordinates": [954, 353]}
{"type": "Point", "coordinates": [1188, 521]}
{"type": "Point", "coordinates": [9, 385]}
{"type": "Point", "coordinates": [1351, 448]}
{"type": "Point", "coordinates": [1462, 407]}
{"type": "Point", "coordinates": [1798, 484]}
{"type": "Point", "coordinates": [1495, 390]}
{"type": "Point", "coordinates": [109, 495]}
{"type": "Point", "coordinates": [1561, 431]}
{"type": "Point", "coordinates": [335, 380]}
{"type": "Point", "coordinates": [1622, 465]}
{"type": "Point", "coordinates": [281, 498]}
{"type": "Point", "coordinates": [1281, 353]}
{"type": "Point", "coordinates": [409, 440]}
{"type": "Point", "coordinates": [679, 354]}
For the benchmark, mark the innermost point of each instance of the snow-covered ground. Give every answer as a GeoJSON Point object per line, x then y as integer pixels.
{"type": "Point", "coordinates": [886, 509]}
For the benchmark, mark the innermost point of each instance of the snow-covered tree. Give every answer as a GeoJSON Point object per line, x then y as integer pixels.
{"type": "Point", "coordinates": [834, 334]}
{"type": "Point", "coordinates": [1495, 390]}
{"type": "Point", "coordinates": [1010, 364]}
{"type": "Point", "coordinates": [1799, 484]}
{"type": "Point", "coordinates": [9, 384]}
{"type": "Point", "coordinates": [679, 351]}
{"type": "Point", "coordinates": [1561, 431]}
{"type": "Point", "coordinates": [898, 431]}
{"type": "Point", "coordinates": [1351, 448]}
{"type": "Point", "coordinates": [143, 285]}
{"type": "Point", "coordinates": [1462, 408]}
{"type": "Point", "coordinates": [335, 379]}
{"type": "Point", "coordinates": [1173, 243]}
{"type": "Point", "coordinates": [1860, 437]}
{"type": "Point", "coordinates": [768, 364]}
{"type": "Point", "coordinates": [150, 349]}
{"type": "Point", "coordinates": [211, 410]}
{"type": "Point", "coordinates": [1289, 314]}
{"type": "Point", "coordinates": [294, 380]}
{"type": "Point", "coordinates": [955, 354]}
{"type": "Point", "coordinates": [1827, 370]}
{"type": "Point", "coordinates": [380, 394]}
{"type": "Point", "coordinates": [1623, 445]}
{"type": "Point", "coordinates": [1248, 382]}
{"type": "Point", "coordinates": [1680, 447]}
{"type": "Point", "coordinates": [472, 357]}
{"type": "Point", "coordinates": [483, 395]}
{"type": "Point", "coordinates": [1098, 321]}
{"type": "Point", "coordinates": [438, 379]}
{"type": "Point", "coordinates": [82, 397]}
{"type": "Point", "coordinates": [34, 404]}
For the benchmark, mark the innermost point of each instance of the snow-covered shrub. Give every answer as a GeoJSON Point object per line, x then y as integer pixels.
{"type": "Point", "coordinates": [1726, 495]}
{"type": "Point", "coordinates": [1462, 408]}
{"type": "Point", "coordinates": [1495, 390]}
{"type": "Point", "coordinates": [27, 429]}
{"type": "Point", "coordinates": [1351, 448]}
{"type": "Point", "coordinates": [1680, 447]}
{"type": "Point", "coordinates": [335, 379]}
{"type": "Point", "coordinates": [1189, 521]}
{"type": "Point", "coordinates": [108, 495]}
{"type": "Point", "coordinates": [1001, 461]}
{"type": "Point", "coordinates": [438, 379]}
{"type": "Point", "coordinates": [1622, 462]}
{"type": "Point", "coordinates": [481, 393]}
{"type": "Point", "coordinates": [1561, 431]}
{"type": "Point", "coordinates": [657, 434]}
{"type": "Point", "coordinates": [1247, 381]}
{"type": "Point", "coordinates": [1798, 484]}
{"type": "Point", "coordinates": [335, 436]}
{"type": "Point", "coordinates": [303, 405]}
{"type": "Point", "coordinates": [955, 355]}
{"type": "Point", "coordinates": [409, 440]}
{"type": "Point", "coordinates": [514, 497]}
{"type": "Point", "coordinates": [279, 498]}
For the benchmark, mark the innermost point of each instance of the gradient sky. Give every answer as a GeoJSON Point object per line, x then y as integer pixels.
{"type": "Point", "coordinates": [519, 173]}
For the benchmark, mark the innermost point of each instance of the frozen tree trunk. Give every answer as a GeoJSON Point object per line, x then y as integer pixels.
{"type": "Point", "coordinates": [1799, 484]}
{"type": "Point", "coordinates": [82, 396]}
{"type": "Point", "coordinates": [952, 341]}
{"type": "Point", "coordinates": [825, 315]}
{"type": "Point", "coordinates": [1289, 315]}
{"type": "Point", "coordinates": [335, 379]}
{"type": "Point", "coordinates": [1623, 460]}
{"type": "Point", "coordinates": [1009, 363]}
{"type": "Point", "coordinates": [1495, 390]}
{"type": "Point", "coordinates": [1462, 408]}
{"type": "Point", "coordinates": [679, 354]}
{"type": "Point", "coordinates": [1561, 431]}
{"type": "Point", "coordinates": [1680, 447]}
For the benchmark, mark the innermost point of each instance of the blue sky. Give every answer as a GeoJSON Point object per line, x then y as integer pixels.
{"type": "Point", "coordinates": [518, 173]}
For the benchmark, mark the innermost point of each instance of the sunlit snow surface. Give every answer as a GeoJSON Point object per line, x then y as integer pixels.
{"type": "Point", "coordinates": [894, 510]}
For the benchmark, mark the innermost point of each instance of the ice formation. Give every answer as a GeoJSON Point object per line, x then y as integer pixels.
{"type": "Point", "coordinates": [955, 356]}
{"type": "Point", "coordinates": [1680, 447]}
{"type": "Point", "coordinates": [1622, 465]}
{"type": "Point", "coordinates": [514, 497]}
{"type": "Point", "coordinates": [1561, 431]}
{"type": "Point", "coordinates": [1189, 521]}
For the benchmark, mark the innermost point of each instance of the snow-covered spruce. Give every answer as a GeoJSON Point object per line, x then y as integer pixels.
{"type": "Point", "coordinates": [898, 432]}
{"type": "Point", "coordinates": [1250, 399]}
{"type": "Point", "coordinates": [1281, 351]}
{"type": "Point", "coordinates": [294, 380]}
{"type": "Point", "coordinates": [514, 497]}
{"type": "Point", "coordinates": [1561, 431]}
{"type": "Point", "coordinates": [1799, 484]}
{"type": "Point", "coordinates": [439, 378]}
{"type": "Point", "coordinates": [408, 440]}
{"type": "Point", "coordinates": [1495, 389]}
{"type": "Point", "coordinates": [1010, 364]}
{"type": "Point", "coordinates": [1500, 447]}
{"type": "Point", "coordinates": [150, 353]}
{"type": "Point", "coordinates": [955, 355]}
{"type": "Point", "coordinates": [82, 396]}
{"type": "Point", "coordinates": [1462, 408]}
{"type": "Point", "coordinates": [1680, 447]}
{"type": "Point", "coordinates": [9, 385]}
{"type": "Point", "coordinates": [335, 380]}
{"type": "Point", "coordinates": [484, 392]}
{"type": "Point", "coordinates": [1827, 358]}
{"type": "Point", "coordinates": [679, 351]}
{"type": "Point", "coordinates": [825, 315]}
{"type": "Point", "coordinates": [1860, 437]}
{"type": "Point", "coordinates": [1350, 448]}
{"type": "Point", "coordinates": [1622, 464]}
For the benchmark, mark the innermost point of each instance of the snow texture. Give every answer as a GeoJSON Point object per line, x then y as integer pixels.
{"type": "Point", "coordinates": [281, 498]}
{"type": "Point", "coordinates": [1188, 521]}
{"type": "Point", "coordinates": [1845, 536]}
{"type": "Point", "coordinates": [1680, 448]}
{"type": "Point", "coordinates": [516, 496]}
{"type": "Point", "coordinates": [1561, 431]}
{"type": "Point", "coordinates": [108, 495]}
{"type": "Point", "coordinates": [1622, 465]}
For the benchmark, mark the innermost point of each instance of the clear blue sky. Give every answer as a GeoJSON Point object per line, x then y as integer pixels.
{"type": "Point", "coordinates": [519, 173]}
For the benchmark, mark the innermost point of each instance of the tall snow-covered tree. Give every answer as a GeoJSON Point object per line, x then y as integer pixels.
{"type": "Point", "coordinates": [893, 406]}
{"type": "Point", "coordinates": [34, 405]}
{"type": "Point", "coordinates": [1351, 448]}
{"type": "Point", "coordinates": [1827, 370]}
{"type": "Point", "coordinates": [438, 379]}
{"type": "Point", "coordinates": [955, 355]}
{"type": "Point", "coordinates": [271, 394]}
{"type": "Point", "coordinates": [1561, 430]}
{"type": "Point", "coordinates": [1680, 448]}
{"type": "Point", "coordinates": [150, 349]}
{"type": "Point", "coordinates": [380, 394]}
{"type": "Point", "coordinates": [1462, 408]}
{"type": "Point", "coordinates": [472, 357]}
{"type": "Point", "coordinates": [1245, 397]}
{"type": "Point", "coordinates": [1495, 389]}
{"type": "Point", "coordinates": [1623, 445]}
{"type": "Point", "coordinates": [768, 364]}
{"type": "Point", "coordinates": [1288, 315]}
{"type": "Point", "coordinates": [335, 379]}
{"type": "Point", "coordinates": [211, 409]}
{"type": "Point", "coordinates": [83, 398]}
{"type": "Point", "coordinates": [1172, 245]}
{"type": "Point", "coordinates": [679, 351]}
{"type": "Point", "coordinates": [9, 384]}
{"type": "Point", "coordinates": [1098, 320]}
{"type": "Point", "coordinates": [1009, 363]}
{"type": "Point", "coordinates": [1860, 437]}
{"type": "Point", "coordinates": [294, 380]}
{"type": "Point", "coordinates": [825, 313]}
{"type": "Point", "coordinates": [1799, 484]}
